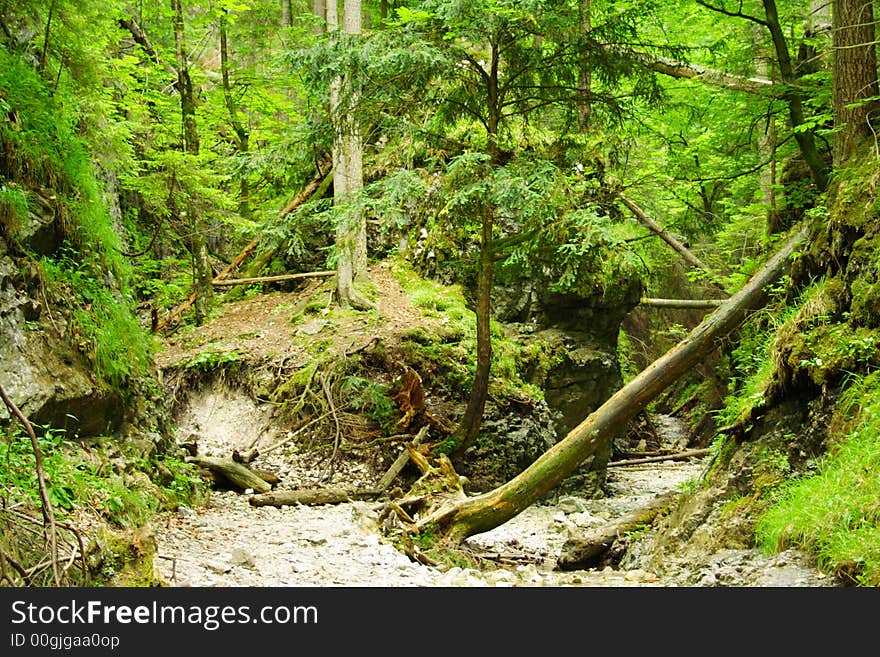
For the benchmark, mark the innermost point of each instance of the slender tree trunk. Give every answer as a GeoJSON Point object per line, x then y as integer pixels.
{"type": "Point", "coordinates": [855, 75]}
{"type": "Point", "coordinates": [242, 135]}
{"type": "Point", "coordinates": [44, 54]}
{"type": "Point", "coordinates": [319, 9]}
{"type": "Point", "coordinates": [805, 139]}
{"type": "Point", "coordinates": [459, 518]}
{"type": "Point", "coordinates": [767, 137]}
{"type": "Point", "coordinates": [202, 273]}
{"type": "Point", "coordinates": [469, 428]}
{"type": "Point", "coordinates": [584, 77]}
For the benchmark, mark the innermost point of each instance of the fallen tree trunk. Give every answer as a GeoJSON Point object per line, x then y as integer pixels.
{"type": "Point", "coordinates": [272, 279]}
{"type": "Point", "coordinates": [663, 234]}
{"type": "Point", "coordinates": [235, 473]}
{"type": "Point", "coordinates": [586, 551]}
{"type": "Point", "coordinates": [456, 519]}
{"type": "Point", "coordinates": [681, 303]}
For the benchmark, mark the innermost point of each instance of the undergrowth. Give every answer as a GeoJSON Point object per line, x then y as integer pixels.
{"type": "Point", "coordinates": [835, 514]}
{"type": "Point", "coordinates": [109, 484]}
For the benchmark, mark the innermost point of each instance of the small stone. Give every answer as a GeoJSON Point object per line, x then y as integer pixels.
{"type": "Point", "coordinates": [570, 505]}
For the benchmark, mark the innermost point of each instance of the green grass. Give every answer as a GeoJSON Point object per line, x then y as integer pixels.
{"type": "Point", "coordinates": [835, 514]}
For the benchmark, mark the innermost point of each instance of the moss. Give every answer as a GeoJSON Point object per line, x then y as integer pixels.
{"type": "Point", "coordinates": [127, 559]}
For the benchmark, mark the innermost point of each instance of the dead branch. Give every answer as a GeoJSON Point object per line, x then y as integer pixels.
{"type": "Point", "coordinates": [48, 511]}
{"type": "Point", "coordinates": [235, 473]}
{"type": "Point", "coordinates": [312, 496]}
{"type": "Point", "coordinates": [681, 303]}
{"type": "Point", "coordinates": [271, 279]}
{"type": "Point", "coordinates": [337, 437]}
{"type": "Point", "coordinates": [678, 456]}
{"type": "Point", "coordinates": [400, 462]}
{"type": "Point", "coordinates": [663, 234]}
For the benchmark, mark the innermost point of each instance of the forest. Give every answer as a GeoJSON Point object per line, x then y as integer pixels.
{"type": "Point", "coordinates": [440, 263]}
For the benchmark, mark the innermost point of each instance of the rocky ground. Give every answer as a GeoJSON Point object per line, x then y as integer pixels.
{"type": "Point", "coordinates": [230, 543]}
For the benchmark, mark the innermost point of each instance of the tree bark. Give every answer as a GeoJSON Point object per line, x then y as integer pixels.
{"type": "Point", "coordinates": [458, 519]}
{"type": "Point", "coordinates": [242, 136]}
{"type": "Point", "coordinates": [855, 75]}
{"type": "Point", "coordinates": [351, 231]}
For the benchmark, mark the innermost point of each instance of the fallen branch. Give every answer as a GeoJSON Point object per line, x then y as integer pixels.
{"type": "Point", "coordinates": [678, 456]}
{"type": "Point", "coordinates": [681, 303]}
{"type": "Point", "coordinates": [270, 279]}
{"type": "Point", "coordinates": [586, 551]}
{"type": "Point", "coordinates": [312, 496]}
{"type": "Point", "coordinates": [401, 461]}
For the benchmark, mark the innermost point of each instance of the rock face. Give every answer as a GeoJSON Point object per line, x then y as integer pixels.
{"type": "Point", "coordinates": [577, 336]}
{"type": "Point", "coordinates": [40, 371]}
{"type": "Point", "coordinates": [575, 345]}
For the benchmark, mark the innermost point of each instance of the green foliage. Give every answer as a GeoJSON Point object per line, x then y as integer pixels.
{"type": "Point", "coordinates": [107, 333]}
{"type": "Point", "coordinates": [79, 480]}
{"type": "Point", "coordinates": [834, 514]}
{"type": "Point", "coordinates": [371, 399]}
{"type": "Point", "coordinates": [213, 360]}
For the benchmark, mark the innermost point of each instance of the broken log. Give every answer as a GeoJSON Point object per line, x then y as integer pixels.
{"type": "Point", "coordinates": [677, 456]}
{"type": "Point", "coordinates": [313, 496]}
{"type": "Point", "coordinates": [271, 279]}
{"type": "Point", "coordinates": [400, 462]}
{"type": "Point", "coordinates": [587, 551]}
{"type": "Point", "coordinates": [235, 473]}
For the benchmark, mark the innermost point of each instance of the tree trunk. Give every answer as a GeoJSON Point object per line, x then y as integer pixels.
{"type": "Point", "coordinates": [460, 518]}
{"type": "Point", "coordinates": [663, 234]}
{"type": "Point", "coordinates": [202, 273]}
{"type": "Point", "coordinates": [855, 75]}
{"type": "Point", "coordinates": [351, 231]}
{"type": "Point", "coordinates": [469, 429]}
